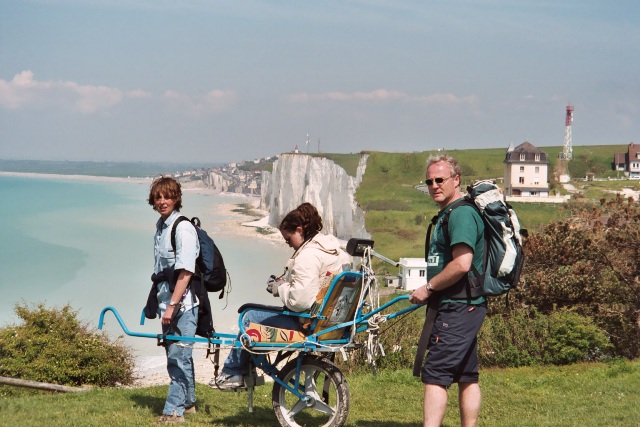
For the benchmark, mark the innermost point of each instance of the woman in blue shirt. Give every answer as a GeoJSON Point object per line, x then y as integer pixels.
{"type": "Point", "coordinates": [177, 305]}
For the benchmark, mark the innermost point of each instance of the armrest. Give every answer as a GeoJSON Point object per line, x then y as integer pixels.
{"type": "Point", "coordinates": [263, 307]}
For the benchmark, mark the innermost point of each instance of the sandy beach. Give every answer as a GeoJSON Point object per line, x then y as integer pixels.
{"type": "Point", "coordinates": [152, 371]}
{"type": "Point", "coordinates": [77, 177]}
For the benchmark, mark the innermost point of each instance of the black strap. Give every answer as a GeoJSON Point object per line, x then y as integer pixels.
{"type": "Point", "coordinates": [423, 343]}
{"type": "Point", "coordinates": [173, 230]}
{"type": "Point", "coordinates": [216, 355]}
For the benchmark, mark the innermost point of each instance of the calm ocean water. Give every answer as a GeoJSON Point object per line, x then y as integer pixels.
{"type": "Point", "coordinates": [89, 244]}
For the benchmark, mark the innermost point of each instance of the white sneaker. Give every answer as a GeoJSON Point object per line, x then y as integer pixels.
{"type": "Point", "coordinates": [227, 382]}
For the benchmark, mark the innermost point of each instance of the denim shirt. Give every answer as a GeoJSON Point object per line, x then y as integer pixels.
{"type": "Point", "coordinates": [187, 250]}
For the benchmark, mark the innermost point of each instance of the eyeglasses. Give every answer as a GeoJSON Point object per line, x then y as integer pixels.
{"type": "Point", "coordinates": [438, 181]}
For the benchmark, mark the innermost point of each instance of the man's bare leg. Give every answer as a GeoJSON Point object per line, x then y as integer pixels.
{"type": "Point", "coordinates": [470, 398]}
{"type": "Point", "coordinates": [435, 404]}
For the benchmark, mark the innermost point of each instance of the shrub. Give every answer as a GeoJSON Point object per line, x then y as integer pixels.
{"type": "Point", "coordinates": [589, 263]}
{"type": "Point", "coordinates": [526, 337]}
{"type": "Point", "coordinates": [574, 338]}
{"type": "Point", "coordinates": [53, 346]}
{"type": "Point", "coordinates": [512, 339]}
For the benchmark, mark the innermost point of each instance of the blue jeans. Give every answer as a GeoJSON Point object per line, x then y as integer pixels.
{"type": "Point", "coordinates": [237, 362]}
{"type": "Point", "coordinates": [182, 390]}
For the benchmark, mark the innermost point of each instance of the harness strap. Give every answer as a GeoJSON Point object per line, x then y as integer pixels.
{"type": "Point", "coordinates": [423, 343]}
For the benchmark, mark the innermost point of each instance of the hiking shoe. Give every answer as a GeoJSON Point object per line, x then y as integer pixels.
{"type": "Point", "coordinates": [169, 419]}
{"type": "Point", "coordinates": [190, 410]}
{"type": "Point", "coordinates": [227, 382]}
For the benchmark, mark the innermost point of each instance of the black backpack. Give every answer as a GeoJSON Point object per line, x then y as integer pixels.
{"type": "Point", "coordinates": [210, 267]}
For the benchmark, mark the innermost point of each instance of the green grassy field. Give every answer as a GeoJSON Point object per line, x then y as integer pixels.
{"type": "Point", "coordinates": [579, 395]}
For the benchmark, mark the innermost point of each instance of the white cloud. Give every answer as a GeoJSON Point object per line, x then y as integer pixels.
{"type": "Point", "coordinates": [211, 102]}
{"type": "Point", "coordinates": [23, 91]}
{"type": "Point", "coordinates": [383, 95]}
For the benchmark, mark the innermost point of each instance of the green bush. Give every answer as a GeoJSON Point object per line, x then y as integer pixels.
{"type": "Point", "coordinates": [574, 338]}
{"type": "Point", "coordinates": [512, 339]}
{"type": "Point", "coordinates": [589, 263]}
{"type": "Point", "coordinates": [526, 337]}
{"type": "Point", "coordinates": [53, 346]}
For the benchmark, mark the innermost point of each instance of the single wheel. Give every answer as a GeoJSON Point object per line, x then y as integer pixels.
{"type": "Point", "coordinates": [326, 401]}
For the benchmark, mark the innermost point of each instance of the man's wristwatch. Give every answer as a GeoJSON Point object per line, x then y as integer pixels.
{"type": "Point", "coordinates": [173, 304]}
{"type": "Point", "coordinates": [429, 287]}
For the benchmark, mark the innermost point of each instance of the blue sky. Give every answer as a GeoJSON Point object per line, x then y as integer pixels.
{"type": "Point", "coordinates": [221, 81]}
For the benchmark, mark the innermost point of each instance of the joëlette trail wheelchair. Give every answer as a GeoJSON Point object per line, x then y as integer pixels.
{"type": "Point", "coordinates": [309, 389]}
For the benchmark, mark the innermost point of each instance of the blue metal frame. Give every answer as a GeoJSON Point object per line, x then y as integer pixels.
{"type": "Point", "coordinates": [312, 343]}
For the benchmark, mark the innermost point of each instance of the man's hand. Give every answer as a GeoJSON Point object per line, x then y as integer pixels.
{"type": "Point", "coordinates": [420, 295]}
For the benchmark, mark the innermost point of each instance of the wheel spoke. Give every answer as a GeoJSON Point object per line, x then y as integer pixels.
{"type": "Point", "coordinates": [312, 409]}
{"type": "Point", "coordinates": [299, 406]}
{"type": "Point", "coordinates": [311, 389]}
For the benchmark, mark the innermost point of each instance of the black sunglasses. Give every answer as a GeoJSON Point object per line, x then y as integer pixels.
{"type": "Point", "coordinates": [438, 181]}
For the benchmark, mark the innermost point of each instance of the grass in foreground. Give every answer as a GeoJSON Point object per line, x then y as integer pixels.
{"type": "Point", "coordinates": [579, 395]}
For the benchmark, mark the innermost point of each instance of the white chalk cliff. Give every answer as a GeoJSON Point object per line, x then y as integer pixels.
{"type": "Point", "coordinates": [298, 178]}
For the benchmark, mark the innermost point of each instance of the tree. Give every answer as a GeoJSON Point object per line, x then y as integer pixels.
{"type": "Point", "coordinates": [590, 263]}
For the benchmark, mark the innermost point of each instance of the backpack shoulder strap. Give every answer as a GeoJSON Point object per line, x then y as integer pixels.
{"type": "Point", "coordinates": [445, 219]}
{"type": "Point", "coordinates": [444, 222]}
{"type": "Point", "coordinates": [173, 231]}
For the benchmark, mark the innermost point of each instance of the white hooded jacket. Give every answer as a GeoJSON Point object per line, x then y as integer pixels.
{"type": "Point", "coordinates": [306, 268]}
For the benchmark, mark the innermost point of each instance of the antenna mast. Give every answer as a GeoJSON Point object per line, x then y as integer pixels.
{"type": "Point", "coordinates": [567, 152]}
{"type": "Point", "coordinates": [562, 168]}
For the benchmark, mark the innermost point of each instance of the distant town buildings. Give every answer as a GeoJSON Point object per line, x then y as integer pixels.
{"type": "Point", "coordinates": [239, 178]}
{"type": "Point", "coordinates": [526, 171]}
{"type": "Point", "coordinates": [629, 162]}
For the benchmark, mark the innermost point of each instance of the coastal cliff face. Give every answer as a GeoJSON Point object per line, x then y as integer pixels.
{"type": "Point", "coordinates": [298, 178]}
{"type": "Point", "coordinates": [219, 182]}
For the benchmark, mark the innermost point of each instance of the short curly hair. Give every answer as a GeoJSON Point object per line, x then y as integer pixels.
{"type": "Point", "coordinates": [167, 187]}
{"type": "Point", "coordinates": [453, 163]}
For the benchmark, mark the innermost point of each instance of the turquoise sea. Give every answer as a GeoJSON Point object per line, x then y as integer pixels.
{"type": "Point", "coordinates": [89, 244]}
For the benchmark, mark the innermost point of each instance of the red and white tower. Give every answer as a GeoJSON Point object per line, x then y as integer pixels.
{"type": "Point", "coordinates": [562, 167]}
{"type": "Point", "coordinates": [567, 152]}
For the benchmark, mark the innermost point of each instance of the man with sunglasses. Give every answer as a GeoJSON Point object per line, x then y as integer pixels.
{"type": "Point", "coordinates": [456, 309]}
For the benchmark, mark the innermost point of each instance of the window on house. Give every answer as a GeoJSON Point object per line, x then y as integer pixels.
{"type": "Point", "coordinates": [522, 157]}
{"type": "Point", "coordinates": [537, 157]}
{"type": "Point", "coordinates": [423, 273]}
{"type": "Point", "coordinates": [521, 168]}
{"type": "Point", "coordinates": [521, 180]}
{"type": "Point", "coordinates": [537, 169]}
{"type": "Point", "coordinates": [536, 181]}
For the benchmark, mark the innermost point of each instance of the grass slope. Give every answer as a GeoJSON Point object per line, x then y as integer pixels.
{"type": "Point", "coordinates": [579, 395]}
